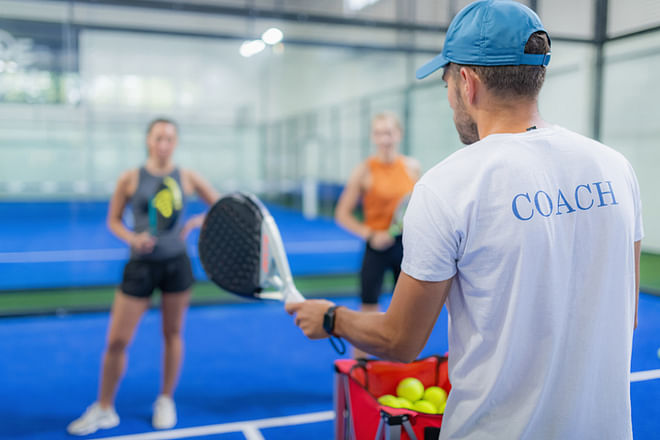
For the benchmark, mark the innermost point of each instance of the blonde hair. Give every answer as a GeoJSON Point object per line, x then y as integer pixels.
{"type": "Point", "coordinates": [387, 115]}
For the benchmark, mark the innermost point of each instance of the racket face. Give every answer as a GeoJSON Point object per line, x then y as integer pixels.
{"type": "Point", "coordinates": [230, 244]}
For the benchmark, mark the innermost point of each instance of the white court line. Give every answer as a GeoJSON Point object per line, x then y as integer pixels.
{"type": "Point", "coordinates": [253, 433]}
{"type": "Point", "coordinates": [294, 248]}
{"type": "Point", "coordinates": [323, 247]}
{"type": "Point", "coordinates": [639, 376]}
{"type": "Point", "coordinates": [62, 256]}
{"type": "Point", "coordinates": [249, 428]}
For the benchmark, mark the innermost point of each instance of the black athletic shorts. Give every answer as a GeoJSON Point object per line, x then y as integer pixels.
{"type": "Point", "coordinates": [142, 277]}
{"type": "Point", "coordinates": [374, 265]}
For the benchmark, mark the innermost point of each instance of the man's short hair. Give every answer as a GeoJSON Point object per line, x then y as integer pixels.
{"type": "Point", "coordinates": [161, 120]}
{"type": "Point", "coordinates": [514, 81]}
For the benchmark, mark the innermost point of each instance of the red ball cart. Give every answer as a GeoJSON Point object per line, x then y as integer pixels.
{"type": "Point", "coordinates": [359, 383]}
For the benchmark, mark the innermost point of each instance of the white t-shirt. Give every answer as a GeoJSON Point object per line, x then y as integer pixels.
{"type": "Point", "coordinates": [538, 229]}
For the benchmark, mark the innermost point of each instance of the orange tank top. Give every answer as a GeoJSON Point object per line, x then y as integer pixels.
{"type": "Point", "coordinates": [389, 183]}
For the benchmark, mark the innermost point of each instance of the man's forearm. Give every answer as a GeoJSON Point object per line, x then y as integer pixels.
{"type": "Point", "coordinates": [398, 334]}
{"type": "Point", "coordinates": [371, 332]}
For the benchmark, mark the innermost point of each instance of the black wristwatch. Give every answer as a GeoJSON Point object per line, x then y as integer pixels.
{"type": "Point", "coordinates": [329, 320]}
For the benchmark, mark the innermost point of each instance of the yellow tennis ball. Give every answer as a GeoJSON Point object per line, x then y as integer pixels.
{"type": "Point", "coordinates": [389, 400]}
{"type": "Point", "coordinates": [436, 396]}
{"type": "Point", "coordinates": [411, 388]}
{"type": "Point", "coordinates": [425, 406]}
{"type": "Point", "coordinates": [441, 408]}
{"type": "Point", "coordinates": [405, 403]}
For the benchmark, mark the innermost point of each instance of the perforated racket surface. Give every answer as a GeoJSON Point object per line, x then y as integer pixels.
{"type": "Point", "coordinates": [230, 244]}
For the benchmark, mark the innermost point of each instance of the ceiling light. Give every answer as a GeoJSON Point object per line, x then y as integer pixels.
{"type": "Point", "coordinates": [249, 48]}
{"type": "Point", "coordinates": [272, 36]}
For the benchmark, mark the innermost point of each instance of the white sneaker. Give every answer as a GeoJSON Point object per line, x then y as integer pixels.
{"type": "Point", "coordinates": [164, 413]}
{"type": "Point", "coordinates": [93, 419]}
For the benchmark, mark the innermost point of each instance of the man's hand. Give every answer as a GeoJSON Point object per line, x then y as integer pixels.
{"type": "Point", "coordinates": [399, 334]}
{"type": "Point", "coordinates": [143, 243]}
{"type": "Point", "coordinates": [381, 240]}
{"type": "Point", "coordinates": [309, 316]}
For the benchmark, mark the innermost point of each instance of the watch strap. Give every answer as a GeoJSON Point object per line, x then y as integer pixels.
{"type": "Point", "coordinates": [329, 320]}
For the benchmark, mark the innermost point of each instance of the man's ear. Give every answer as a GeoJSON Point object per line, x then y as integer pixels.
{"type": "Point", "coordinates": [470, 83]}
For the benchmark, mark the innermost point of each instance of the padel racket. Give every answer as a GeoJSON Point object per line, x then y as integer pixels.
{"type": "Point", "coordinates": [396, 224]}
{"type": "Point", "coordinates": [241, 250]}
{"type": "Point", "coordinates": [165, 206]}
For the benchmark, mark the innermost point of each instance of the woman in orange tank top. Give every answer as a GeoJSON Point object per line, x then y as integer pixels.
{"type": "Point", "coordinates": [380, 182]}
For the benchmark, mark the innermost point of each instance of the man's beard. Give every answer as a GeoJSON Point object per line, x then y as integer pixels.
{"type": "Point", "coordinates": [465, 125]}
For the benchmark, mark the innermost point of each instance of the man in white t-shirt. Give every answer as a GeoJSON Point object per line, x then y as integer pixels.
{"type": "Point", "coordinates": [531, 235]}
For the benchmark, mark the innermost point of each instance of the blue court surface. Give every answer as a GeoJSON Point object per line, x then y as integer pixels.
{"type": "Point", "coordinates": [249, 374]}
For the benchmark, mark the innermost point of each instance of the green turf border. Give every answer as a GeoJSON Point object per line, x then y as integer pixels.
{"type": "Point", "coordinates": [649, 273]}
{"type": "Point", "coordinates": [93, 299]}
{"type": "Point", "coordinates": [99, 299]}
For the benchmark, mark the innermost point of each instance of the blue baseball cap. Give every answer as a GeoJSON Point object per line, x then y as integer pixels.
{"type": "Point", "coordinates": [489, 33]}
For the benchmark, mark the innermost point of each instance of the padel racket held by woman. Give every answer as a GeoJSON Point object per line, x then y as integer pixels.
{"type": "Point", "coordinates": [241, 251]}
{"type": "Point", "coordinates": [396, 224]}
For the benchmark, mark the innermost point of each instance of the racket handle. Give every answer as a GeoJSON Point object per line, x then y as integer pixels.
{"type": "Point", "coordinates": [395, 230]}
{"type": "Point", "coordinates": [291, 294]}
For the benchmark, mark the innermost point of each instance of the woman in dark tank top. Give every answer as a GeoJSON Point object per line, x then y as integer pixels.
{"type": "Point", "coordinates": [157, 194]}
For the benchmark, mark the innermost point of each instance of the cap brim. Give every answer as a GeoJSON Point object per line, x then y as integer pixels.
{"type": "Point", "coordinates": [430, 67]}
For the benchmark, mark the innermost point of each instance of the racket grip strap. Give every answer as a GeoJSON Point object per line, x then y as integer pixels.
{"type": "Point", "coordinates": [338, 344]}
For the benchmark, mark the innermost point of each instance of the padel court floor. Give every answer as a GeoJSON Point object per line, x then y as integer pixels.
{"type": "Point", "coordinates": [249, 374]}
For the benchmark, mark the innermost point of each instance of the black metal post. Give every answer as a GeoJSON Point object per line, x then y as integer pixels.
{"type": "Point", "coordinates": [600, 36]}
{"type": "Point", "coordinates": [534, 5]}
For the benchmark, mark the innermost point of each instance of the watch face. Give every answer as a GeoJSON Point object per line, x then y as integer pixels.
{"type": "Point", "coordinates": [329, 320]}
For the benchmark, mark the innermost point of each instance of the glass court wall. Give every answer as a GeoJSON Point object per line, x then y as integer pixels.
{"type": "Point", "coordinates": [79, 81]}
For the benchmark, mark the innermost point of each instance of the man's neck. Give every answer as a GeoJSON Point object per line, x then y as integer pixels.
{"type": "Point", "coordinates": [511, 117]}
